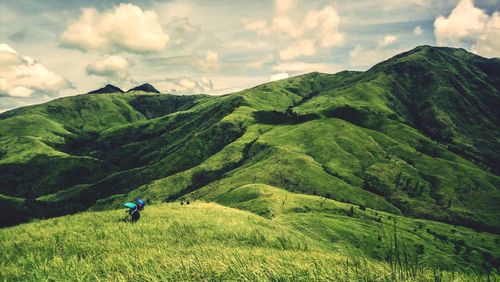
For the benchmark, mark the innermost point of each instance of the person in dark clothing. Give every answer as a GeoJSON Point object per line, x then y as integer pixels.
{"type": "Point", "coordinates": [134, 209]}
{"type": "Point", "coordinates": [134, 214]}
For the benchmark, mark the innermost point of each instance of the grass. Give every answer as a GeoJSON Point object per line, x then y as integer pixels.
{"type": "Point", "coordinates": [379, 175]}
{"type": "Point", "coordinates": [346, 136]}
{"type": "Point", "coordinates": [365, 231]}
{"type": "Point", "coordinates": [201, 241]}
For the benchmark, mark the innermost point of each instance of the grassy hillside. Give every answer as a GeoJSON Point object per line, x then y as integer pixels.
{"type": "Point", "coordinates": [340, 159]}
{"type": "Point", "coordinates": [208, 241]}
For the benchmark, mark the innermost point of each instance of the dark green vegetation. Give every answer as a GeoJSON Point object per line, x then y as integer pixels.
{"type": "Point", "coordinates": [146, 87]}
{"type": "Point", "coordinates": [407, 152]}
{"type": "Point", "coordinates": [106, 89]}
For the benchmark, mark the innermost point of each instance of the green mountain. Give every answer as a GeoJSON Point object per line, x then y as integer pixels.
{"type": "Point", "coordinates": [146, 87]}
{"type": "Point", "coordinates": [335, 157]}
{"type": "Point", "coordinates": [109, 88]}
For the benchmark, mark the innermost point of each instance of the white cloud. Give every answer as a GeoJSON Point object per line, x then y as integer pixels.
{"type": "Point", "coordinates": [388, 40]}
{"type": "Point", "coordinates": [278, 76]}
{"type": "Point", "coordinates": [112, 66]}
{"type": "Point", "coordinates": [224, 84]}
{"type": "Point", "coordinates": [125, 27]}
{"type": "Point", "coordinates": [8, 56]}
{"type": "Point", "coordinates": [325, 23]}
{"type": "Point", "coordinates": [300, 36]}
{"type": "Point", "coordinates": [186, 85]}
{"type": "Point", "coordinates": [182, 31]}
{"type": "Point", "coordinates": [285, 26]}
{"type": "Point", "coordinates": [361, 56]}
{"type": "Point", "coordinates": [206, 81]}
{"type": "Point", "coordinates": [210, 63]}
{"type": "Point", "coordinates": [298, 49]}
{"type": "Point", "coordinates": [303, 67]}
{"type": "Point", "coordinates": [21, 76]}
{"type": "Point", "coordinates": [257, 26]}
{"type": "Point", "coordinates": [6, 48]}
{"type": "Point", "coordinates": [20, 91]}
{"type": "Point", "coordinates": [283, 6]}
{"type": "Point", "coordinates": [281, 25]}
{"type": "Point", "coordinates": [249, 44]}
{"type": "Point", "coordinates": [469, 27]}
{"type": "Point", "coordinates": [418, 30]}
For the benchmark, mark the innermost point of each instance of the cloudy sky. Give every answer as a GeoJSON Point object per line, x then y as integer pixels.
{"type": "Point", "coordinates": [50, 48]}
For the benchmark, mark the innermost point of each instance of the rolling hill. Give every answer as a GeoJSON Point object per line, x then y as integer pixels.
{"type": "Point", "coordinates": [206, 241]}
{"type": "Point", "coordinates": [414, 142]}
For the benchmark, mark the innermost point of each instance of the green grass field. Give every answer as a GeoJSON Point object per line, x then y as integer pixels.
{"type": "Point", "coordinates": [200, 241]}
{"type": "Point", "coordinates": [388, 174]}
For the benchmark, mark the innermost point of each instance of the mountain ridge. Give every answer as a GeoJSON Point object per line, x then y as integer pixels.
{"type": "Point", "coordinates": [146, 87]}
{"type": "Point", "coordinates": [145, 143]}
{"type": "Point", "coordinates": [350, 161]}
{"type": "Point", "coordinates": [108, 88]}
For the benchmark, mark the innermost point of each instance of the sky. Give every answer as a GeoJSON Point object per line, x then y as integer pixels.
{"type": "Point", "coordinates": [51, 49]}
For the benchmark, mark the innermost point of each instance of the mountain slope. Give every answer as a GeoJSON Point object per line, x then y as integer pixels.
{"type": "Point", "coordinates": [457, 105]}
{"type": "Point", "coordinates": [207, 241]}
{"type": "Point", "coordinates": [416, 136]}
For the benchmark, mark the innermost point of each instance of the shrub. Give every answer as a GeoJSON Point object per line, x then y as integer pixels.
{"type": "Point", "coordinates": [351, 212]}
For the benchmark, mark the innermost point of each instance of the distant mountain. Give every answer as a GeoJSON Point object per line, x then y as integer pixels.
{"type": "Point", "coordinates": [146, 87]}
{"type": "Point", "coordinates": [106, 89]}
{"type": "Point", "coordinates": [416, 136]}
{"type": "Point", "coordinates": [450, 95]}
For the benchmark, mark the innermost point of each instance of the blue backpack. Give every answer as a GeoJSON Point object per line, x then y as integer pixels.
{"type": "Point", "coordinates": [140, 204]}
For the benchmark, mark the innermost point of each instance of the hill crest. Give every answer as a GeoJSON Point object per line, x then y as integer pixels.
{"type": "Point", "coordinates": [146, 87]}
{"type": "Point", "coordinates": [415, 135]}
{"type": "Point", "coordinates": [108, 88]}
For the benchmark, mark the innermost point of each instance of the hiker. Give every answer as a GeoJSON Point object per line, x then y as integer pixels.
{"type": "Point", "coordinates": [134, 209]}
{"type": "Point", "coordinates": [134, 214]}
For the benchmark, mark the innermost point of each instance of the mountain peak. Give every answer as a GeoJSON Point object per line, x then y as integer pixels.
{"type": "Point", "coordinates": [425, 55]}
{"type": "Point", "coordinates": [146, 87]}
{"type": "Point", "coordinates": [109, 88]}
{"type": "Point", "coordinates": [430, 50]}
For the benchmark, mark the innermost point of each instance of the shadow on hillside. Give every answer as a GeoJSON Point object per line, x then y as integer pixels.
{"type": "Point", "coordinates": [276, 118]}
{"type": "Point", "coordinates": [350, 114]}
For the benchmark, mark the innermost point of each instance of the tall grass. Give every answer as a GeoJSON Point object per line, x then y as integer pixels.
{"type": "Point", "coordinates": [404, 264]}
{"type": "Point", "coordinates": [178, 243]}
